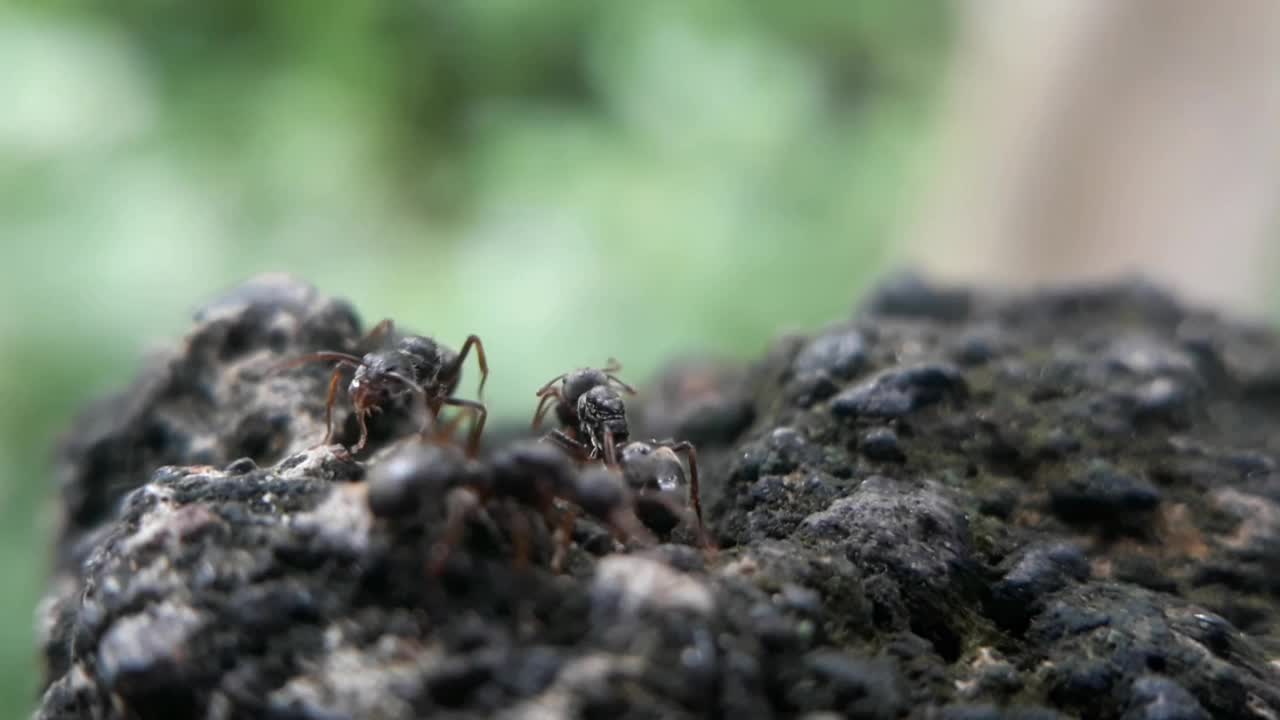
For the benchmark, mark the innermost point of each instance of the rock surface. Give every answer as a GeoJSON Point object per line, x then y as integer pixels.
{"type": "Point", "coordinates": [952, 505]}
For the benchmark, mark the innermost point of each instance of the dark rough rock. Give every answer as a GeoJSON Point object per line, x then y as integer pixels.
{"type": "Point", "coordinates": [953, 505]}
{"type": "Point", "coordinates": [882, 444]}
{"type": "Point", "coordinates": [1102, 495]}
{"type": "Point", "coordinates": [897, 392]}
{"type": "Point", "coordinates": [911, 296]}
{"type": "Point", "coordinates": [704, 401]}
{"type": "Point", "coordinates": [1035, 575]}
{"type": "Point", "coordinates": [840, 354]}
{"type": "Point", "coordinates": [216, 377]}
{"type": "Point", "coordinates": [994, 712]}
{"type": "Point", "coordinates": [1159, 698]}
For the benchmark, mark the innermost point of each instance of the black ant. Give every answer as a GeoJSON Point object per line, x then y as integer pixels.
{"type": "Point", "coordinates": [413, 364]}
{"type": "Point", "coordinates": [597, 425]}
{"type": "Point", "coordinates": [586, 403]}
{"type": "Point", "coordinates": [601, 423]}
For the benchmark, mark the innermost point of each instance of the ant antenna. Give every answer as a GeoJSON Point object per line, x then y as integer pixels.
{"type": "Point", "coordinates": [545, 388]}
{"type": "Point", "coordinates": [410, 383]}
{"type": "Point", "coordinates": [339, 357]}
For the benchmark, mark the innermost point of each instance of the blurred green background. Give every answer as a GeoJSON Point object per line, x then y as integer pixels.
{"type": "Point", "coordinates": [569, 179]}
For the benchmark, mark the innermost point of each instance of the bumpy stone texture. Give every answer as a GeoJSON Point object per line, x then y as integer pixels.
{"type": "Point", "coordinates": [952, 505]}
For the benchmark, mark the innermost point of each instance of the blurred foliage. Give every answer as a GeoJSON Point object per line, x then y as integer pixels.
{"type": "Point", "coordinates": [568, 179]}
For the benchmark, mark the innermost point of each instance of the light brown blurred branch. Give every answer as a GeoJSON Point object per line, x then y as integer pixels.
{"type": "Point", "coordinates": [1088, 138]}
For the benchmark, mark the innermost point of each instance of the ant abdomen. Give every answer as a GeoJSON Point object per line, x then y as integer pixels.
{"type": "Point", "coordinates": [580, 381]}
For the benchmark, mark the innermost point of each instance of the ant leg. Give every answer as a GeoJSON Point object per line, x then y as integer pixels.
{"type": "Point", "coordinates": [626, 526]}
{"type": "Point", "coordinates": [610, 452]}
{"type": "Point", "coordinates": [621, 385]}
{"type": "Point", "coordinates": [375, 335]}
{"type": "Point", "coordinates": [364, 432]}
{"type": "Point", "coordinates": [434, 431]}
{"type": "Point", "coordinates": [695, 494]}
{"type": "Point", "coordinates": [328, 404]}
{"type": "Point", "coordinates": [456, 366]}
{"type": "Point", "coordinates": [338, 357]}
{"type": "Point", "coordinates": [682, 511]}
{"type": "Point", "coordinates": [462, 503]}
{"type": "Point", "coordinates": [521, 538]}
{"type": "Point", "coordinates": [544, 395]}
{"type": "Point", "coordinates": [543, 390]}
{"type": "Point", "coordinates": [610, 371]}
{"type": "Point", "coordinates": [563, 538]}
{"type": "Point", "coordinates": [477, 423]}
{"type": "Point", "coordinates": [571, 446]}
{"type": "Point", "coordinates": [343, 360]}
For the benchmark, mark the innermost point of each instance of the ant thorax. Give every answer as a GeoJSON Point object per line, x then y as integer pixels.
{"type": "Point", "coordinates": [580, 381]}
{"type": "Point", "coordinates": [424, 353]}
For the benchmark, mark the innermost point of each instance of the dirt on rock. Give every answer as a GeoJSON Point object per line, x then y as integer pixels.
{"type": "Point", "coordinates": [953, 504]}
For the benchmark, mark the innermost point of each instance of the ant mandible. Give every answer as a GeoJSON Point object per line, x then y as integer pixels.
{"type": "Point", "coordinates": [415, 364]}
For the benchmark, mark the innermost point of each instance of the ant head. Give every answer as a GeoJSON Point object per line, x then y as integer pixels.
{"type": "Point", "coordinates": [648, 468]}
{"type": "Point", "coordinates": [379, 378]}
{"type": "Point", "coordinates": [601, 409]}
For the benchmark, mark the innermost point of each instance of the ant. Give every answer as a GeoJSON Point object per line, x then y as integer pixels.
{"type": "Point", "coordinates": [589, 407]}
{"type": "Point", "coordinates": [586, 403]}
{"type": "Point", "coordinates": [413, 364]}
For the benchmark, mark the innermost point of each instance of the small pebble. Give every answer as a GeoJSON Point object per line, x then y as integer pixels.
{"type": "Point", "coordinates": [899, 392]}
{"type": "Point", "coordinates": [854, 686]}
{"type": "Point", "coordinates": [1105, 496]}
{"type": "Point", "coordinates": [1040, 572]}
{"type": "Point", "coordinates": [882, 444]}
{"type": "Point", "coordinates": [1155, 697]}
{"type": "Point", "coordinates": [910, 296]}
{"type": "Point", "coordinates": [842, 354]}
{"type": "Point", "coordinates": [1163, 399]}
{"type": "Point", "coordinates": [243, 466]}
